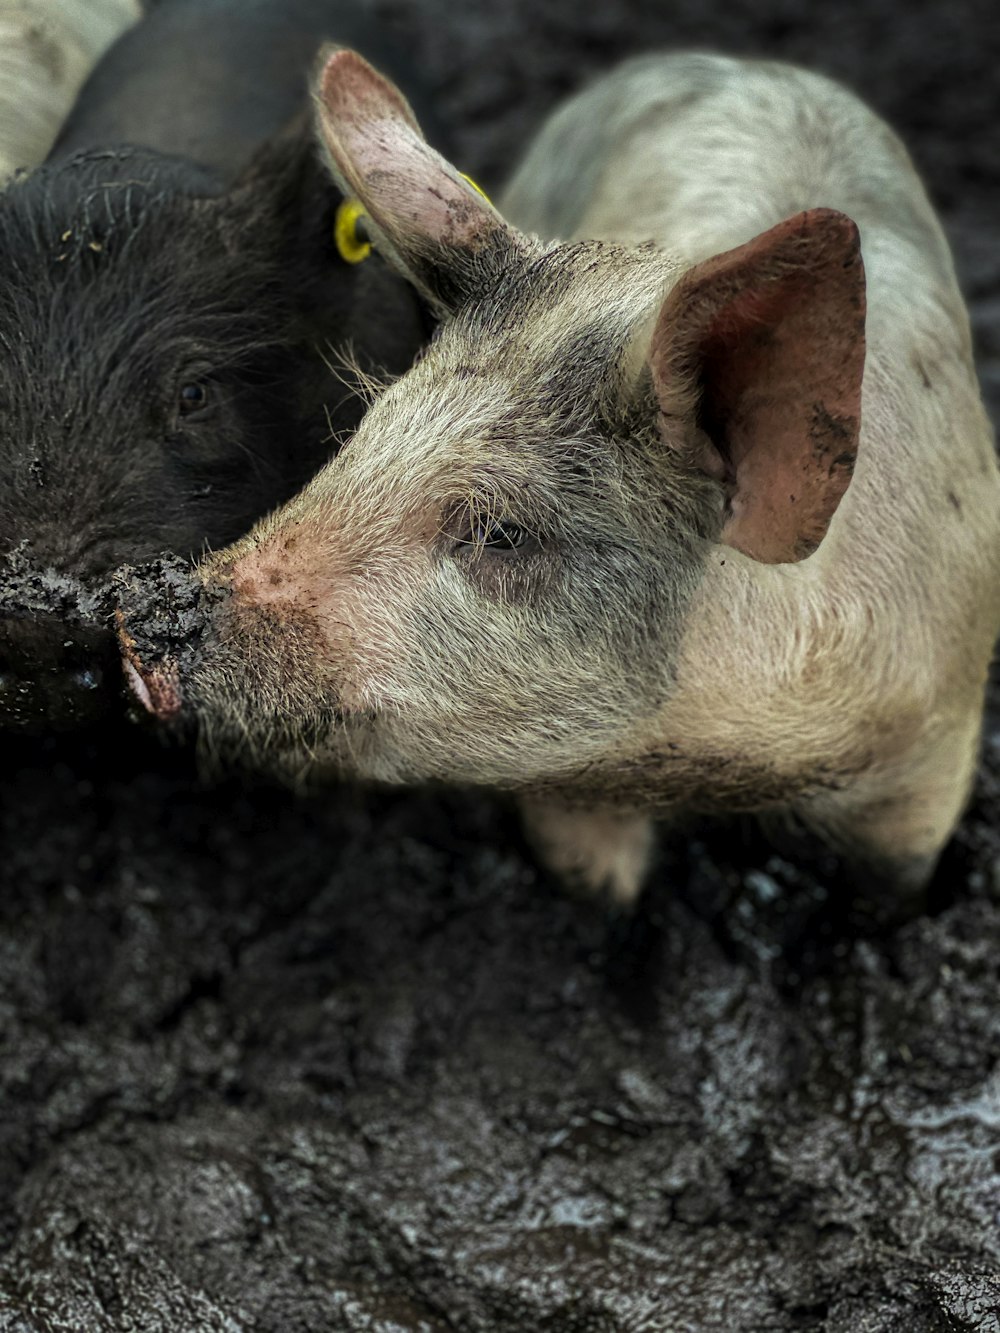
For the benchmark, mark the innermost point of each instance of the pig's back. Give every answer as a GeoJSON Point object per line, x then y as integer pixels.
{"type": "Point", "coordinates": [47, 48]}
{"type": "Point", "coordinates": [700, 153]}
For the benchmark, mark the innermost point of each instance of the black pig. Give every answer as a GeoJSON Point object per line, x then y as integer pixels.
{"type": "Point", "coordinates": [170, 295]}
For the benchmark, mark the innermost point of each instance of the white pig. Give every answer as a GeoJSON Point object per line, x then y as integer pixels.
{"type": "Point", "coordinates": [660, 522]}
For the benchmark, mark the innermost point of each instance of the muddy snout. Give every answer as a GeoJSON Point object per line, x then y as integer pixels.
{"type": "Point", "coordinates": [161, 616]}
{"type": "Point", "coordinates": [155, 686]}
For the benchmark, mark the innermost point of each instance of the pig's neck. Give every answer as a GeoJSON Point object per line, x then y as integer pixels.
{"type": "Point", "coordinates": [767, 700]}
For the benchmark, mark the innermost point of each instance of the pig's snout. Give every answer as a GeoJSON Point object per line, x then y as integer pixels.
{"type": "Point", "coordinates": [54, 674]}
{"type": "Point", "coordinates": [163, 613]}
{"type": "Point", "coordinates": [155, 686]}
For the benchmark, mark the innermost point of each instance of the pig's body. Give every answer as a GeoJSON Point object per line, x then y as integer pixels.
{"type": "Point", "coordinates": [609, 557]}
{"type": "Point", "coordinates": [171, 298]}
{"type": "Point", "coordinates": [849, 687]}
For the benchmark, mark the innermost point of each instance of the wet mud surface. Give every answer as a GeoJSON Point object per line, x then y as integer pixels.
{"type": "Point", "coordinates": [349, 1062]}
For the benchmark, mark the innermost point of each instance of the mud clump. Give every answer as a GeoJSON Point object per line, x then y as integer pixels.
{"type": "Point", "coordinates": [162, 607]}
{"type": "Point", "coordinates": [162, 614]}
{"type": "Point", "coordinates": [27, 591]}
{"type": "Point", "coordinates": [301, 1065]}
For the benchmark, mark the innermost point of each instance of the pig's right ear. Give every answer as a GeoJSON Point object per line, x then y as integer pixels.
{"type": "Point", "coordinates": [757, 358]}
{"type": "Point", "coordinates": [428, 220]}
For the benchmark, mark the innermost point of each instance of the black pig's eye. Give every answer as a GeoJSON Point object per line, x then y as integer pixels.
{"type": "Point", "coordinates": [191, 398]}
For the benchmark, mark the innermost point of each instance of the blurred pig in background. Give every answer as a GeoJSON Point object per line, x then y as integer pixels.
{"type": "Point", "coordinates": [47, 49]}
{"type": "Point", "coordinates": [172, 296]}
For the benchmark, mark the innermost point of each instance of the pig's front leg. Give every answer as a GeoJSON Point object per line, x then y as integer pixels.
{"type": "Point", "coordinates": [892, 824]}
{"type": "Point", "coordinates": [596, 850]}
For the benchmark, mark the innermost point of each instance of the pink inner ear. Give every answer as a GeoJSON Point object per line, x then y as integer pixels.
{"type": "Point", "coordinates": [771, 339]}
{"type": "Point", "coordinates": [351, 89]}
{"type": "Point", "coordinates": [411, 193]}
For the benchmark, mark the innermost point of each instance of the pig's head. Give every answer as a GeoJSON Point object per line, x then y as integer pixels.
{"type": "Point", "coordinates": [490, 582]}
{"type": "Point", "coordinates": [164, 381]}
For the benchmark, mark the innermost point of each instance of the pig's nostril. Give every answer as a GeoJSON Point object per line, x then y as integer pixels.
{"type": "Point", "coordinates": [138, 686]}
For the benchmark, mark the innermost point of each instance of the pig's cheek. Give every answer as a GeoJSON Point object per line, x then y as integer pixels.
{"type": "Point", "coordinates": [370, 643]}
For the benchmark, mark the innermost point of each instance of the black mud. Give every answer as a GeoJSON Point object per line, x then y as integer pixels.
{"type": "Point", "coordinates": [160, 607]}
{"type": "Point", "coordinates": [27, 591]}
{"type": "Point", "coordinates": [161, 616]}
{"type": "Point", "coordinates": [346, 1064]}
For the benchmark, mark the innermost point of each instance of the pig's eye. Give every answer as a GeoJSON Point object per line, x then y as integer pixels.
{"type": "Point", "coordinates": [496, 534]}
{"type": "Point", "coordinates": [192, 397]}
{"type": "Point", "coordinates": [506, 536]}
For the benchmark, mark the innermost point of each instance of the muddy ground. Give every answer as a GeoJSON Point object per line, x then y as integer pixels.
{"type": "Point", "coordinates": [350, 1063]}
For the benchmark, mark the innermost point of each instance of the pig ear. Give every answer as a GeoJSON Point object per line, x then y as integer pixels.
{"type": "Point", "coordinates": [765, 346]}
{"type": "Point", "coordinates": [423, 214]}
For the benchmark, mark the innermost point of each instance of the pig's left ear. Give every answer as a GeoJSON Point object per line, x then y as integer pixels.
{"type": "Point", "coordinates": [427, 219]}
{"type": "Point", "coordinates": [765, 346]}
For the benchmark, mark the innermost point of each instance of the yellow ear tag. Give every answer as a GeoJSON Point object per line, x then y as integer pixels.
{"type": "Point", "coordinates": [350, 246]}
{"type": "Point", "coordinates": [478, 188]}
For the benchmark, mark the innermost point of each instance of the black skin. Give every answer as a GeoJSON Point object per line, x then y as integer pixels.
{"type": "Point", "coordinates": [169, 293]}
